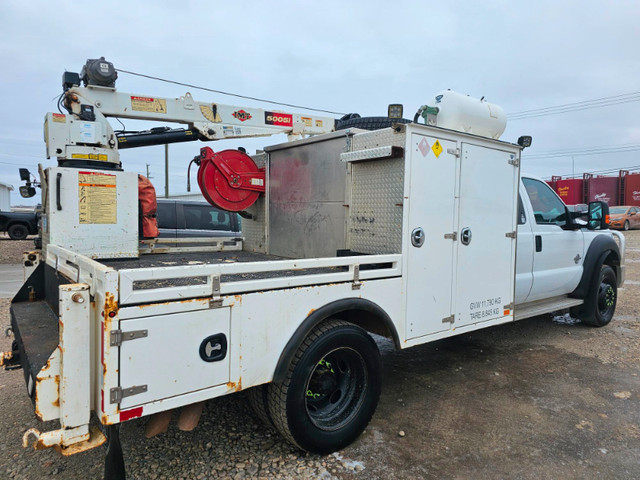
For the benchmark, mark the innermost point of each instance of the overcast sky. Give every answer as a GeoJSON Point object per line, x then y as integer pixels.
{"type": "Point", "coordinates": [344, 56]}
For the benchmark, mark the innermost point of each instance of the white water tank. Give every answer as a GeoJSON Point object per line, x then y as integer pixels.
{"type": "Point", "coordinates": [471, 115]}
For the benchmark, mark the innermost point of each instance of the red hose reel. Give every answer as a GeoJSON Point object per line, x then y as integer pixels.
{"type": "Point", "coordinates": [229, 179]}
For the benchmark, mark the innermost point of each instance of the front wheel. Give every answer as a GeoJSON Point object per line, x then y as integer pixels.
{"type": "Point", "coordinates": [331, 390]}
{"type": "Point", "coordinates": [604, 296]}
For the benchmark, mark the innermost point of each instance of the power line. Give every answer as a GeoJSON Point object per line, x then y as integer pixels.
{"type": "Point", "coordinates": [583, 152]}
{"type": "Point", "coordinates": [576, 106]}
{"type": "Point", "coordinates": [228, 93]}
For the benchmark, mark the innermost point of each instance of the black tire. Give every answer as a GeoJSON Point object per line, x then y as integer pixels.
{"type": "Point", "coordinates": [604, 296]}
{"type": "Point", "coordinates": [331, 390]}
{"type": "Point", "coordinates": [369, 123]}
{"type": "Point", "coordinates": [259, 402]}
{"type": "Point", "coordinates": [626, 225]}
{"type": "Point", "coordinates": [17, 231]}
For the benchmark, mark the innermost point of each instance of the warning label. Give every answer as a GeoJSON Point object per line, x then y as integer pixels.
{"type": "Point", "coordinates": [437, 148]}
{"type": "Point", "coordinates": [97, 203]}
{"type": "Point", "coordinates": [149, 104]}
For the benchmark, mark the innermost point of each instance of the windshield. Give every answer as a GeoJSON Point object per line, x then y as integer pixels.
{"type": "Point", "coordinates": [617, 210]}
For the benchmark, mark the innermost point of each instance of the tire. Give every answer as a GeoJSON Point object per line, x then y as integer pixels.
{"type": "Point", "coordinates": [604, 297]}
{"type": "Point", "coordinates": [331, 390]}
{"type": "Point", "coordinates": [17, 231]}
{"type": "Point", "coordinates": [259, 403]}
{"type": "Point", "coordinates": [626, 225]}
{"type": "Point", "coordinates": [369, 123]}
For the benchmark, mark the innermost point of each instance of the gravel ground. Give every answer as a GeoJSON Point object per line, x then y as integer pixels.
{"type": "Point", "coordinates": [11, 250]}
{"type": "Point", "coordinates": [535, 399]}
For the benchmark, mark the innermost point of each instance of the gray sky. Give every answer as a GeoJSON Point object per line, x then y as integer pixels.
{"type": "Point", "coordinates": [346, 56]}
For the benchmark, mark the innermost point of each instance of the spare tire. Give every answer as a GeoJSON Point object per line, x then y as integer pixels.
{"type": "Point", "coordinates": [369, 123]}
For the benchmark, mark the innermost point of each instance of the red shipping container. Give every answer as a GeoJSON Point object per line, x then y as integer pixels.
{"type": "Point", "coordinates": [603, 189]}
{"type": "Point", "coordinates": [570, 190]}
{"type": "Point", "coordinates": [632, 189]}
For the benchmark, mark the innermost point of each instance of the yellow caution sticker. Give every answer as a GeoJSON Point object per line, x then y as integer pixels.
{"type": "Point", "coordinates": [437, 148]}
{"type": "Point", "coordinates": [207, 112]}
{"type": "Point", "coordinates": [319, 123]}
{"type": "Point", "coordinates": [97, 198]}
{"type": "Point", "coordinates": [59, 117]}
{"type": "Point", "coordinates": [148, 104]}
{"type": "Point", "coordinates": [91, 156]}
{"type": "Point", "coordinates": [308, 122]}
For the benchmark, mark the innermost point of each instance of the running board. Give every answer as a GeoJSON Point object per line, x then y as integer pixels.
{"type": "Point", "coordinates": [547, 305]}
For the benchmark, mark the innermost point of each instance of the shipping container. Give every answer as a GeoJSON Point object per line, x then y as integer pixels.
{"type": "Point", "coordinates": [570, 190]}
{"type": "Point", "coordinates": [603, 189]}
{"type": "Point", "coordinates": [631, 189]}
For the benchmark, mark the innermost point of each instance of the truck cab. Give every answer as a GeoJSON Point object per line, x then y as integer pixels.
{"type": "Point", "coordinates": [556, 255]}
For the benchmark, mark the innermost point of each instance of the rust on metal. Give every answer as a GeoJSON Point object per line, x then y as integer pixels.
{"type": "Point", "coordinates": [96, 439]}
{"type": "Point", "coordinates": [236, 387]}
{"type": "Point", "coordinates": [5, 356]}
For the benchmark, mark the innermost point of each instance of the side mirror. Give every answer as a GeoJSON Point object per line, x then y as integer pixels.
{"type": "Point", "coordinates": [598, 216]}
{"type": "Point", "coordinates": [27, 191]}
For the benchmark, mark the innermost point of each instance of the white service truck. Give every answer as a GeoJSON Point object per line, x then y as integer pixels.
{"type": "Point", "coordinates": [415, 232]}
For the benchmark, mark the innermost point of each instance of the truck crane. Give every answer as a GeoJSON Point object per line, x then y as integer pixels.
{"type": "Point", "coordinates": [408, 232]}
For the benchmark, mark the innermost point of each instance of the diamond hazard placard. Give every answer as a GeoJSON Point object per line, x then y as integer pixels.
{"type": "Point", "coordinates": [437, 148]}
{"type": "Point", "coordinates": [424, 146]}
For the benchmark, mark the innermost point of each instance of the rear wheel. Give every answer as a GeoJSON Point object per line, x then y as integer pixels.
{"type": "Point", "coordinates": [18, 232]}
{"type": "Point", "coordinates": [331, 390]}
{"type": "Point", "coordinates": [626, 225]}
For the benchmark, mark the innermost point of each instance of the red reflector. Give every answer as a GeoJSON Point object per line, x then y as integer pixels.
{"type": "Point", "coordinates": [112, 314]}
{"type": "Point", "coordinates": [607, 219]}
{"type": "Point", "coordinates": [129, 414]}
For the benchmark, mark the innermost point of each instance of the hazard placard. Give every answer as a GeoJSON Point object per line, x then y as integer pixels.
{"type": "Point", "coordinates": [437, 148]}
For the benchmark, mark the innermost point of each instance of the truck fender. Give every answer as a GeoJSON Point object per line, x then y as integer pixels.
{"type": "Point", "coordinates": [359, 311]}
{"type": "Point", "coordinates": [600, 249]}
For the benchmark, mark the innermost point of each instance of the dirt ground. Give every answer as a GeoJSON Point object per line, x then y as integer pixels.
{"type": "Point", "coordinates": [530, 400]}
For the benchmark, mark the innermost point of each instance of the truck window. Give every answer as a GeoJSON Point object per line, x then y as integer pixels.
{"type": "Point", "coordinates": [522, 217]}
{"type": "Point", "coordinates": [547, 207]}
{"type": "Point", "coordinates": [167, 215]}
{"type": "Point", "coordinates": [203, 217]}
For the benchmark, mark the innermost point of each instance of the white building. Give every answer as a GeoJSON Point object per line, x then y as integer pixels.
{"type": "Point", "coordinates": [5, 196]}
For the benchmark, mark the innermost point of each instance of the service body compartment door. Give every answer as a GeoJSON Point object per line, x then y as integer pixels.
{"type": "Point", "coordinates": [485, 252]}
{"type": "Point", "coordinates": [169, 359]}
{"type": "Point", "coordinates": [431, 179]}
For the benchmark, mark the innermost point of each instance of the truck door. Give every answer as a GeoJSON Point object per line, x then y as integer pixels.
{"type": "Point", "coordinates": [432, 212]}
{"type": "Point", "coordinates": [558, 254]}
{"type": "Point", "coordinates": [485, 247]}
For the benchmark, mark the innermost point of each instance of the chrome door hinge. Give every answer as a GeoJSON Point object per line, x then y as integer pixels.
{"type": "Point", "coordinates": [216, 299]}
{"type": "Point", "coordinates": [454, 151]}
{"type": "Point", "coordinates": [451, 236]}
{"type": "Point", "coordinates": [356, 278]}
{"type": "Point", "coordinates": [510, 234]}
{"type": "Point", "coordinates": [118, 336]}
{"type": "Point", "coordinates": [118, 393]}
{"type": "Point", "coordinates": [449, 319]}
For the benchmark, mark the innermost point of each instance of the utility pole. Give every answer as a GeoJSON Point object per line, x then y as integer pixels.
{"type": "Point", "coordinates": [573, 167]}
{"type": "Point", "coordinates": [166, 170]}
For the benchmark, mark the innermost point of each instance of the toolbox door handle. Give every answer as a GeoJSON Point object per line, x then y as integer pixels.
{"type": "Point", "coordinates": [58, 204]}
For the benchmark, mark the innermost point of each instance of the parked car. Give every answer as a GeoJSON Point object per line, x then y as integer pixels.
{"type": "Point", "coordinates": [19, 224]}
{"type": "Point", "coordinates": [624, 217]}
{"type": "Point", "coordinates": [189, 219]}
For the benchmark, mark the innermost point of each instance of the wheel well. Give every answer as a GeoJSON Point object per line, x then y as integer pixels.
{"type": "Point", "coordinates": [363, 313]}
